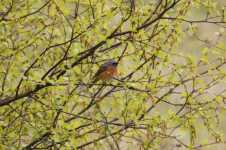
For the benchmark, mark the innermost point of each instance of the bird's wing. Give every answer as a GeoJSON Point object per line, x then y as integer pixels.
{"type": "Point", "coordinates": [101, 69]}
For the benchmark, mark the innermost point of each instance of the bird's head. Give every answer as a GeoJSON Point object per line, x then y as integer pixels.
{"type": "Point", "coordinates": [111, 62]}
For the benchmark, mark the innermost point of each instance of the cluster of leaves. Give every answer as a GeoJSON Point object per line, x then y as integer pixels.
{"type": "Point", "coordinates": [50, 49]}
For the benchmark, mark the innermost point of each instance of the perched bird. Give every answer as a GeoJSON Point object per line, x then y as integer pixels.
{"type": "Point", "coordinates": [106, 71]}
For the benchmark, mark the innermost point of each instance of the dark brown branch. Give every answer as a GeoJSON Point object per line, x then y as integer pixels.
{"type": "Point", "coordinates": [106, 136]}
{"type": "Point", "coordinates": [9, 100]}
{"type": "Point", "coordinates": [37, 141]}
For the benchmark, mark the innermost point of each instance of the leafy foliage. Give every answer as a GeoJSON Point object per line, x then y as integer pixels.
{"type": "Point", "coordinates": [170, 89]}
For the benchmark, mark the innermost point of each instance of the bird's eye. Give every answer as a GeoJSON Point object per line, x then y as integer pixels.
{"type": "Point", "coordinates": [114, 63]}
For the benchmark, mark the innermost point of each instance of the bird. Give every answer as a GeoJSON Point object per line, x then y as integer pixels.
{"type": "Point", "coordinates": [107, 71]}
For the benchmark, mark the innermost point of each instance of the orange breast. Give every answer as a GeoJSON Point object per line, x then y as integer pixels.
{"type": "Point", "coordinates": [109, 73]}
